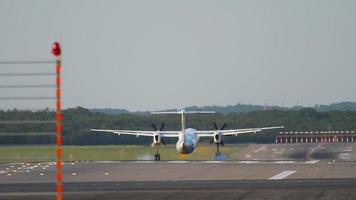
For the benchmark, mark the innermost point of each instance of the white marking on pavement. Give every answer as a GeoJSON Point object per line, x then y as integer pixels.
{"type": "Point", "coordinates": [282, 175]}
{"type": "Point", "coordinates": [177, 161]}
{"type": "Point", "coordinates": [284, 162]}
{"type": "Point", "coordinates": [248, 162]}
{"type": "Point", "coordinates": [28, 168]}
{"type": "Point", "coordinates": [103, 161]}
{"type": "Point", "coordinates": [312, 161]}
{"type": "Point", "coordinates": [344, 156]}
{"type": "Point", "coordinates": [259, 149]}
{"type": "Point", "coordinates": [144, 162]}
{"type": "Point", "coordinates": [213, 161]}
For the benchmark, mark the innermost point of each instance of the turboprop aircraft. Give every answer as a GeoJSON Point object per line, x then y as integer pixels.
{"type": "Point", "coordinates": [188, 138]}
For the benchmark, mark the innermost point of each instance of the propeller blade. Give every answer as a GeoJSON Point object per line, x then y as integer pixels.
{"type": "Point", "coordinates": [224, 126]}
{"type": "Point", "coordinates": [162, 126]}
{"type": "Point", "coordinates": [211, 141]}
{"type": "Point", "coordinates": [215, 126]}
{"type": "Point", "coordinates": [154, 127]}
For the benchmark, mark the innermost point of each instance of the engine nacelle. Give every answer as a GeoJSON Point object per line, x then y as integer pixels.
{"type": "Point", "coordinates": [156, 139]}
{"type": "Point", "coordinates": [217, 137]}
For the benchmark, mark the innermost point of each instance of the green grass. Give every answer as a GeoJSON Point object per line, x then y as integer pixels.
{"type": "Point", "coordinates": [33, 153]}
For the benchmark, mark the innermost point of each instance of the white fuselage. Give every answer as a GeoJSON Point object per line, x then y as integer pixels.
{"type": "Point", "coordinates": [187, 141]}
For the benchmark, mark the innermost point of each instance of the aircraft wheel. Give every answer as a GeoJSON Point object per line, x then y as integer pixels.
{"type": "Point", "coordinates": [157, 156]}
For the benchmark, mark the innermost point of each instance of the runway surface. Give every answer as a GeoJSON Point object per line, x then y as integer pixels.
{"type": "Point", "coordinates": [247, 189]}
{"type": "Point", "coordinates": [177, 171]}
{"type": "Point", "coordinates": [298, 151]}
{"type": "Point", "coordinates": [277, 176]}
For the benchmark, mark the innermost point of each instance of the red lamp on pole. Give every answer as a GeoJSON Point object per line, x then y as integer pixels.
{"type": "Point", "coordinates": [56, 49]}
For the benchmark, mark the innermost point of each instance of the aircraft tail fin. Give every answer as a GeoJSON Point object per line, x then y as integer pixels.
{"type": "Point", "coordinates": [182, 113]}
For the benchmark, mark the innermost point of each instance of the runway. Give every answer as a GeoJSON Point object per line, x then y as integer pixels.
{"type": "Point", "coordinates": [291, 184]}
{"type": "Point", "coordinates": [298, 151]}
{"type": "Point", "coordinates": [252, 178]}
{"type": "Point", "coordinates": [176, 171]}
{"type": "Point", "coordinates": [245, 189]}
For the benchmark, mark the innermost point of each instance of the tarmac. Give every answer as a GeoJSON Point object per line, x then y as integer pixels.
{"type": "Point", "coordinates": [271, 171]}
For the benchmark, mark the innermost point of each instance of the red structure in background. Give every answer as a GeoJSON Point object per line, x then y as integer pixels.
{"type": "Point", "coordinates": [315, 136]}
{"type": "Point", "coordinates": [56, 51]}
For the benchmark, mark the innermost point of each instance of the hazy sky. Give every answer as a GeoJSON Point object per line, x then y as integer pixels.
{"type": "Point", "coordinates": [148, 55]}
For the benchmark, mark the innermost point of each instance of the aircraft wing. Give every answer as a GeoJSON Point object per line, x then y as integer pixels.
{"type": "Point", "coordinates": [210, 133]}
{"type": "Point", "coordinates": [139, 133]}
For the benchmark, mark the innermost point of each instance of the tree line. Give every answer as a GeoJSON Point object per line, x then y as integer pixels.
{"type": "Point", "coordinates": [77, 123]}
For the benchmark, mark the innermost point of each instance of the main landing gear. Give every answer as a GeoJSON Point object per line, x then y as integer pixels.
{"type": "Point", "coordinates": [157, 154]}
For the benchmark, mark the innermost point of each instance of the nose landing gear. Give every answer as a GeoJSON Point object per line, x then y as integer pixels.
{"type": "Point", "coordinates": [217, 150]}
{"type": "Point", "coordinates": [157, 154]}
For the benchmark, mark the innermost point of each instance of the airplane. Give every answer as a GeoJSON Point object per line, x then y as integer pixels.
{"type": "Point", "coordinates": [188, 138]}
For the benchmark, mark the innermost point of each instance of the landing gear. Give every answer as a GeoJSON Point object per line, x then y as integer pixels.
{"type": "Point", "coordinates": [157, 154]}
{"type": "Point", "coordinates": [217, 150]}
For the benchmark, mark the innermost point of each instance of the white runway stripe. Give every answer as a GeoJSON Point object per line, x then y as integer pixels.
{"type": "Point", "coordinates": [178, 161]}
{"type": "Point", "coordinates": [282, 175]}
{"type": "Point", "coordinates": [312, 161]}
{"type": "Point", "coordinates": [248, 162]}
{"type": "Point", "coordinates": [284, 161]}
{"type": "Point", "coordinates": [260, 149]}
{"type": "Point", "coordinates": [213, 161]}
{"type": "Point", "coordinates": [3, 172]}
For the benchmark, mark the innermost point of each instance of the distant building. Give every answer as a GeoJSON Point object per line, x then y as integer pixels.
{"type": "Point", "coordinates": [314, 136]}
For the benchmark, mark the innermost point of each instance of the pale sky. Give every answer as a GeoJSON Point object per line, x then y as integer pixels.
{"type": "Point", "coordinates": [151, 55]}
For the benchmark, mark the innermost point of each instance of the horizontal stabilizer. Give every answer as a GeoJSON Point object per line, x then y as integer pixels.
{"type": "Point", "coordinates": [183, 112]}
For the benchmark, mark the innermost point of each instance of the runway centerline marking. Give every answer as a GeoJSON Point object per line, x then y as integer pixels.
{"type": "Point", "coordinates": [282, 175]}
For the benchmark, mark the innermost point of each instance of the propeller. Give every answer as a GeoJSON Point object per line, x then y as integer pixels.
{"type": "Point", "coordinates": [155, 127]}
{"type": "Point", "coordinates": [218, 135]}
{"type": "Point", "coordinates": [222, 127]}
{"type": "Point", "coordinates": [158, 132]}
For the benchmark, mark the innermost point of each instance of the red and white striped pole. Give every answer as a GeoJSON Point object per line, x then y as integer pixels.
{"type": "Point", "coordinates": [56, 51]}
